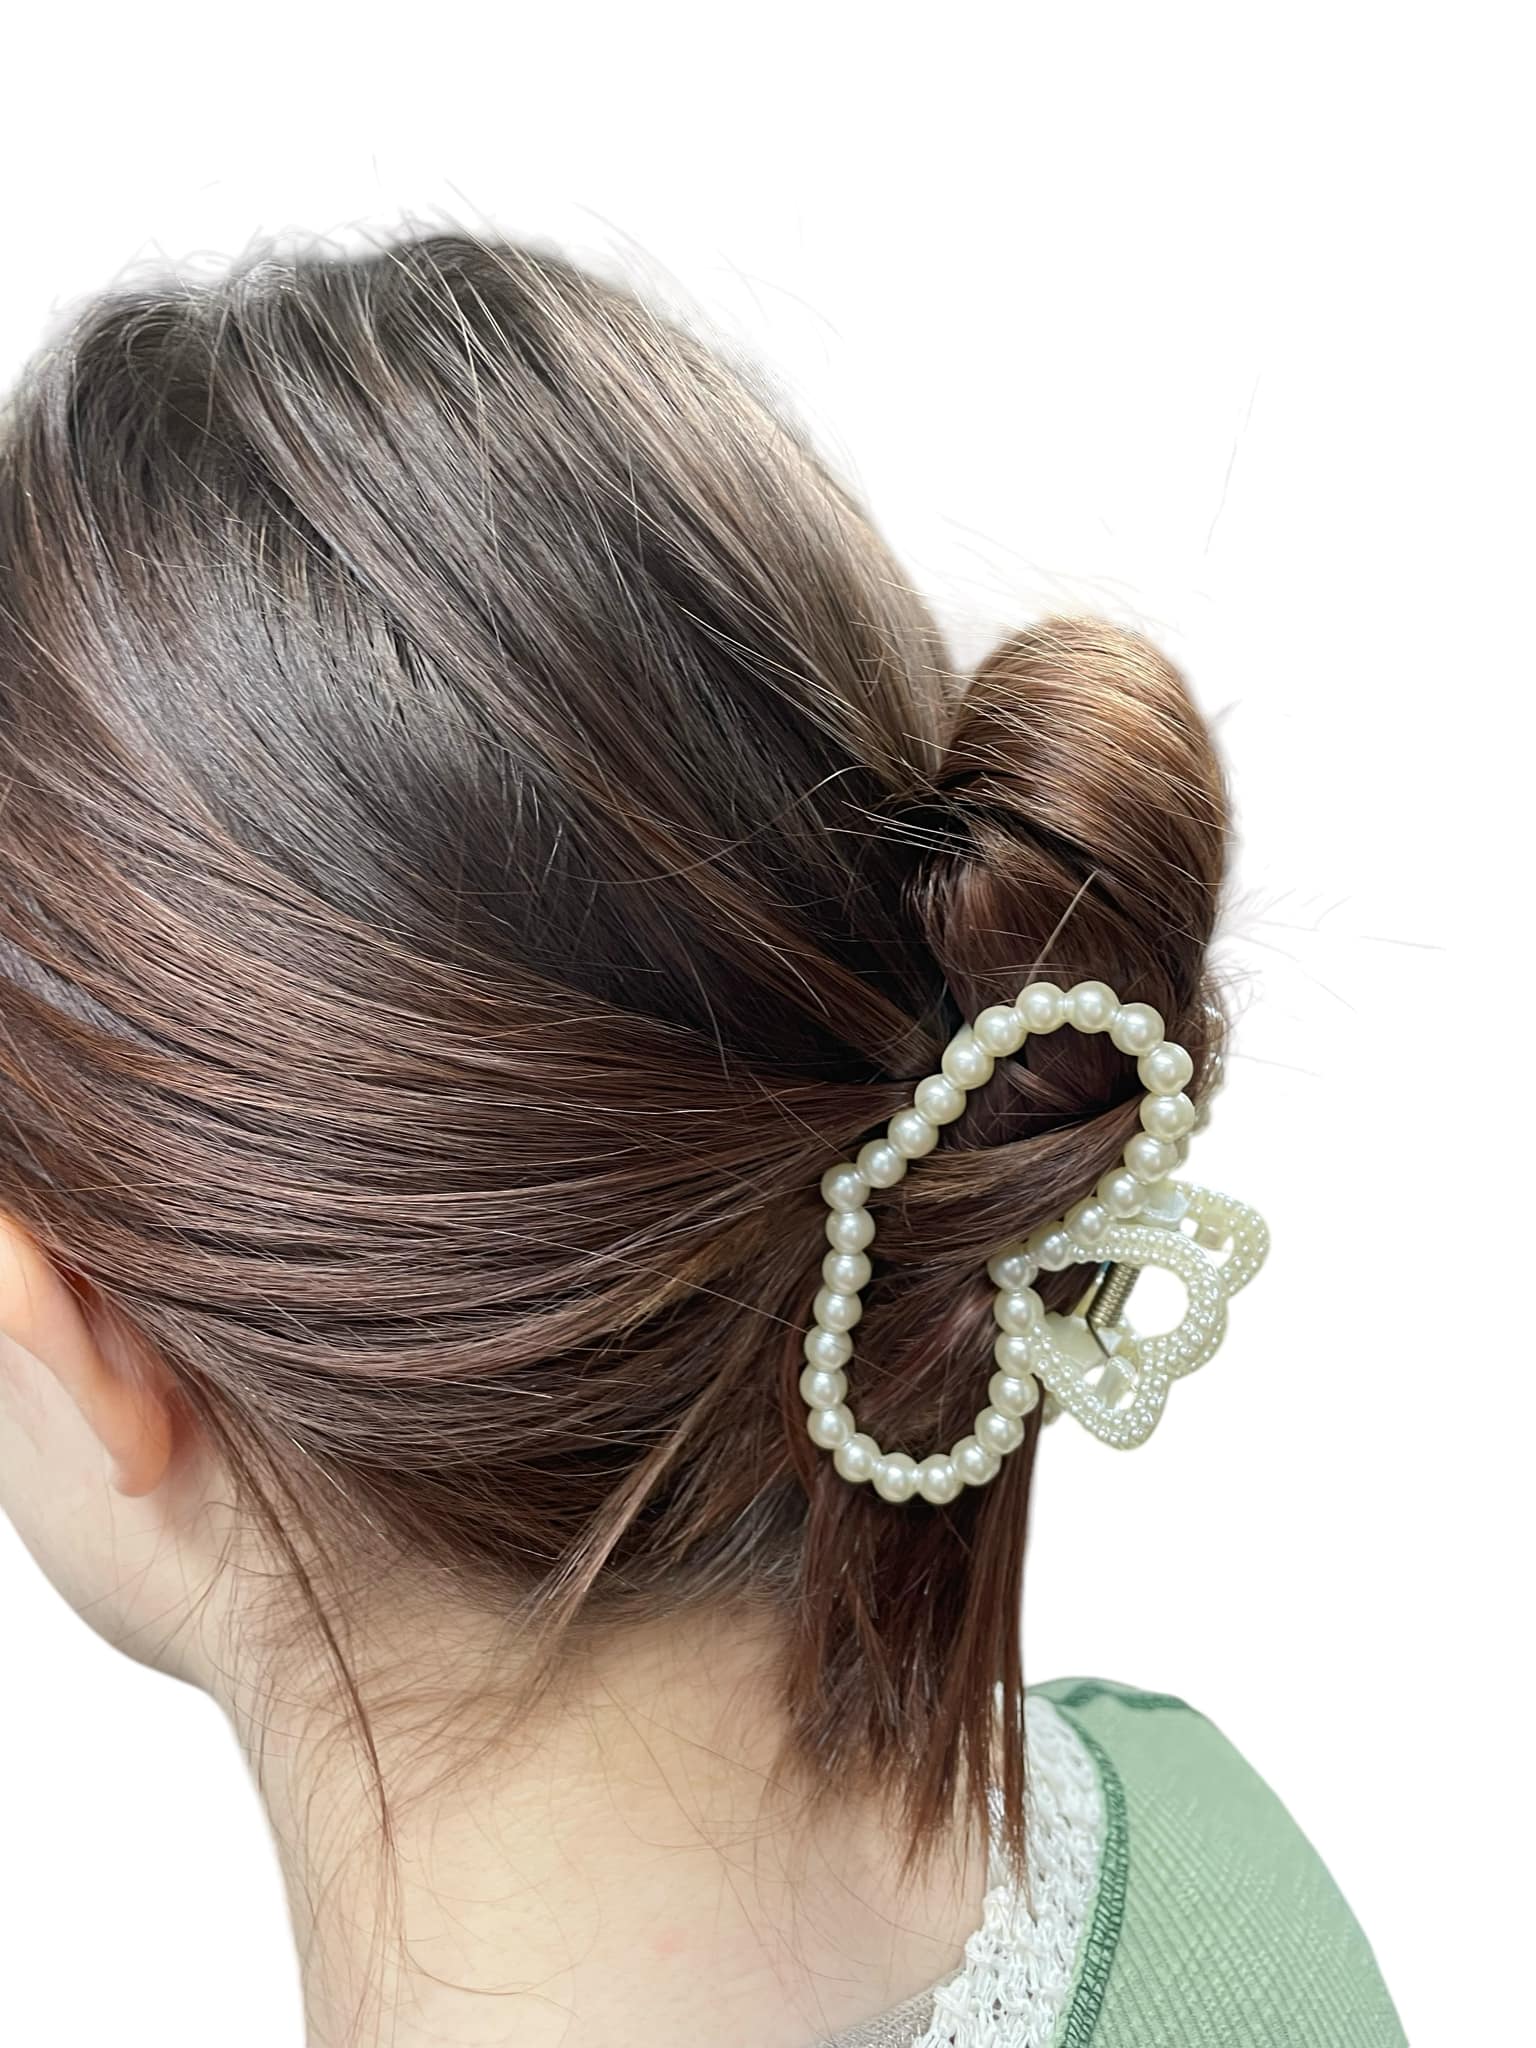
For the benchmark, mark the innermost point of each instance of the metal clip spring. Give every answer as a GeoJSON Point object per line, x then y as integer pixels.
{"type": "Point", "coordinates": [1106, 1302]}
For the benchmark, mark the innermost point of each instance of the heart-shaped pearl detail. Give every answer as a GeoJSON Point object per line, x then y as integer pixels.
{"type": "Point", "coordinates": [1107, 1377]}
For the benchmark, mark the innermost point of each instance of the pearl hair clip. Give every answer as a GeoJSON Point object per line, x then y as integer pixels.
{"type": "Point", "coordinates": [1090, 1363]}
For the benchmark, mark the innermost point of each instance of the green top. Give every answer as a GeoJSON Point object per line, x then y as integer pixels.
{"type": "Point", "coordinates": [1209, 1921]}
{"type": "Point", "coordinates": [1216, 1922]}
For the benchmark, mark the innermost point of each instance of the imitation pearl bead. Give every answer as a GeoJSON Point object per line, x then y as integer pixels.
{"type": "Point", "coordinates": [830, 1427]}
{"type": "Point", "coordinates": [1000, 1029]}
{"type": "Point", "coordinates": [1054, 1248]}
{"type": "Point", "coordinates": [1149, 1158]}
{"type": "Point", "coordinates": [827, 1349]}
{"type": "Point", "coordinates": [912, 1133]}
{"type": "Point", "coordinates": [1091, 1006]}
{"type": "Point", "coordinates": [857, 1458]}
{"type": "Point", "coordinates": [819, 1389]}
{"type": "Point", "coordinates": [1137, 1028]}
{"type": "Point", "coordinates": [975, 1461]}
{"type": "Point", "coordinates": [846, 1272]}
{"type": "Point", "coordinates": [849, 1230]}
{"type": "Point", "coordinates": [1121, 1193]}
{"type": "Point", "coordinates": [1087, 1222]}
{"type": "Point", "coordinates": [1017, 1313]}
{"type": "Point", "coordinates": [1013, 1393]}
{"type": "Point", "coordinates": [882, 1163]}
{"type": "Point", "coordinates": [938, 1099]}
{"type": "Point", "coordinates": [836, 1311]}
{"type": "Point", "coordinates": [896, 1476]}
{"type": "Point", "coordinates": [1167, 1116]}
{"type": "Point", "coordinates": [844, 1187]}
{"type": "Point", "coordinates": [1012, 1267]}
{"type": "Point", "coordinates": [1013, 1353]}
{"type": "Point", "coordinates": [1042, 1006]}
{"type": "Point", "coordinates": [937, 1479]}
{"type": "Point", "coordinates": [966, 1061]}
{"type": "Point", "coordinates": [1000, 1432]}
{"type": "Point", "coordinates": [1165, 1069]}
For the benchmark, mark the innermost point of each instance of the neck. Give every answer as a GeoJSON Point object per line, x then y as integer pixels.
{"type": "Point", "coordinates": [617, 1866]}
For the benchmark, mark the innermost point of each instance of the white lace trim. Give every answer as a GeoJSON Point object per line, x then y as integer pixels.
{"type": "Point", "coordinates": [1019, 1967]}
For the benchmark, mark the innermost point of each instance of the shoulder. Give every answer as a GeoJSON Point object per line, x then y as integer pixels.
{"type": "Point", "coordinates": [1165, 1744]}
{"type": "Point", "coordinates": [1163, 1756]}
{"type": "Point", "coordinates": [1214, 1911]}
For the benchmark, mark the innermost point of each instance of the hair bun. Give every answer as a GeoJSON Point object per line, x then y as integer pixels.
{"type": "Point", "coordinates": [1092, 812]}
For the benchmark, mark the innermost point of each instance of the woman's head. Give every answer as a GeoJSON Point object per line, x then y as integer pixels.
{"type": "Point", "coordinates": [487, 824]}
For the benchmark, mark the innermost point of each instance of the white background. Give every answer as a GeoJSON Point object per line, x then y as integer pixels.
{"type": "Point", "coordinates": [1210, 319]}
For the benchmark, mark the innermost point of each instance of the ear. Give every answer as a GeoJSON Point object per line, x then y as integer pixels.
{"type": "Point", "coordinates": [120, 1392]}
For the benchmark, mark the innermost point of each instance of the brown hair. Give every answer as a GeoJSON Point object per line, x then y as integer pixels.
{"type": "Point", "coordinates": [488, 823]}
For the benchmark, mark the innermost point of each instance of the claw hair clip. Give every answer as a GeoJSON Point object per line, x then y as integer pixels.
{"type": "Point", "coordinates": [1091, 1363]}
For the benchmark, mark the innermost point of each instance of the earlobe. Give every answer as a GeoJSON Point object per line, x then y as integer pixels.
{"type": "Point", "coordinates": [114, 1387]}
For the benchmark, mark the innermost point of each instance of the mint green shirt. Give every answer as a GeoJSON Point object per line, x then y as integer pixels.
{"type": "Point", "coordinates": [1217, 1924]}
{"type": "Point", "coordinates": [1213, 1922]}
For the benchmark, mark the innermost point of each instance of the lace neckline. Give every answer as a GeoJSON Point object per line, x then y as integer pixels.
{"type": "Point", "coordinates": [1021, 1963]}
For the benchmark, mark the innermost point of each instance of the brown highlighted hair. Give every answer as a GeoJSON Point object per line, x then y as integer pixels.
{"type": "Point", "coordinates": [488, 822]}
